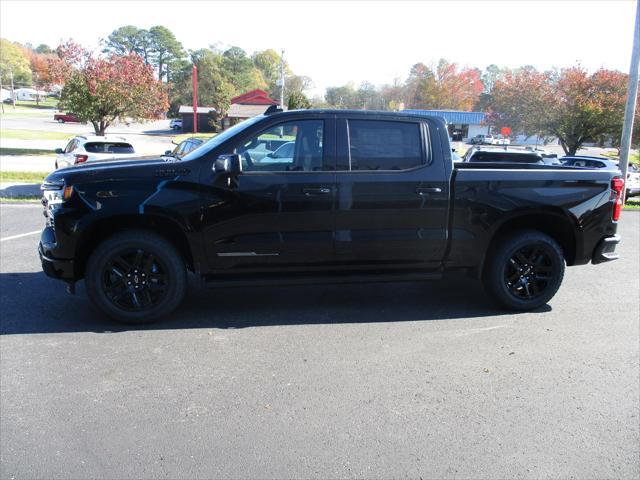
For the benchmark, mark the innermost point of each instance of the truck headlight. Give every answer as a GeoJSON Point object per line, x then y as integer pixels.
{"type": "Point", "coordinates": [55, 196]}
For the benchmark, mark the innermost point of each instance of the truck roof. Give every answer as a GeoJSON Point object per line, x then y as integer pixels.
{"type": "Point", "coordinates": [337, 111]}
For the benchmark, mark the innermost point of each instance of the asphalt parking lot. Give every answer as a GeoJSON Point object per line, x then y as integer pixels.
{"type": "Point", "coordinates": [360, 381]}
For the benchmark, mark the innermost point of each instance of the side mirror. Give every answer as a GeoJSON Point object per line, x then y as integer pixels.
{"type": "Point", "coordinates": [167, 152]}
{"type": "Point", "coordinates": [228, 164]}
{"type": "Point", "coordinates": [59, 151]}
{"type": "Point", "coordinates": [453, 149]}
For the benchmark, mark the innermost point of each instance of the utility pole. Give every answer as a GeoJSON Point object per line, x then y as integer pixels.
{"type": "Point", "coordinates": [632, 95]}
{"type": "Point", "coordinates": [282, 80]}
{"type": "Point", "coordinates": [195, 99]}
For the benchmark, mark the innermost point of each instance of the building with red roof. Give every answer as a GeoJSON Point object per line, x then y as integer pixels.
{"type": "Point", "coordinates": [248, 105]}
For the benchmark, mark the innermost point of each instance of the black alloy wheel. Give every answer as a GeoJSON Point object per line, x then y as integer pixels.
{"type": "Point", "coordinates": [135, 280]}
{"type": "Point", "coordinates": [523, 270]}
{"type": "Point", "coordinates": [136, 276]}
{"type": "Point", "coordinates": [528, 272]}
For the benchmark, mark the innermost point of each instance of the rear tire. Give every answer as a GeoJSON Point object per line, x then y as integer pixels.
{"type": "Point", "coordinates": [136, 277]}
{"type": "Point", "coordinates": [524, 270]}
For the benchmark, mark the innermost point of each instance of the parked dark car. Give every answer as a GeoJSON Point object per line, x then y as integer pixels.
{"type": "Point", "coordinates": [366, 196]}
{"type": "Point", "coordinates": [184, 147]}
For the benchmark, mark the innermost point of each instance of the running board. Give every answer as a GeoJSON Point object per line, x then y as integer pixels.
{"type": "Point", "coordinates": [230, 281]}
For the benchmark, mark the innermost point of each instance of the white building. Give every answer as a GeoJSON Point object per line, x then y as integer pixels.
{"type": "Point", "coordinates": [29, 94]}
{"type": "Point", "coordinates": [463, 126]}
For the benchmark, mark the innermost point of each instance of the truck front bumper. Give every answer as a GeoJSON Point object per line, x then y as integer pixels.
{"type": "Point", "coordinates": [61, 269]}
{"type": "Point", "coordinates": [605, 250]}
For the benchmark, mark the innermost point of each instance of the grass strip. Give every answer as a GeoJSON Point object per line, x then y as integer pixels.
{"type": "Point", "coordinates": [26, 177]}
{"type": "Point", "coordinates": [25, 151]}
{"type": "Point", "coordinates": [35, 135]}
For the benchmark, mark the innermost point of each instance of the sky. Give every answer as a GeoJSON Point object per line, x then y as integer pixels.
{"type": "Point", "coordinates": [338, 42]}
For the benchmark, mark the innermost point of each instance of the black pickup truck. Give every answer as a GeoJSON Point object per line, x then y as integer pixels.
{"type": "Point", "coordinates": [322, 196]}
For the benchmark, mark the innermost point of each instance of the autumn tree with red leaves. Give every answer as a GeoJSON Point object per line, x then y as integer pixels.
{"type": "Point", "coordinates": [444, 86]}
{"type": "Point", "coordinates": [570, 104]}
{"type": "Point", "coordinates": [102, 90]}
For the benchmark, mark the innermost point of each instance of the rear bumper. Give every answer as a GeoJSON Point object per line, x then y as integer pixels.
{"type": "Point", "coordinates": [605, 250]}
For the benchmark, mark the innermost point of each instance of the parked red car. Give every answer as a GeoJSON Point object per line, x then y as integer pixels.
{"type": "Point", "coordinates": [66, 117]}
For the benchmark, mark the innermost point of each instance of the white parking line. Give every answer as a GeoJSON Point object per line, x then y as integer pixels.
{"type": "Point", "coordinates": [19, 236]}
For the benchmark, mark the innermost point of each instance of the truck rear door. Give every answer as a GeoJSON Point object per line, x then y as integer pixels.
{"type": "Point", "coordinates": [392, 193]}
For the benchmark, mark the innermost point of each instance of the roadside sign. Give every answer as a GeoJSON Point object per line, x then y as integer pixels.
{"type": "Point", "coordinates": [505, 131]}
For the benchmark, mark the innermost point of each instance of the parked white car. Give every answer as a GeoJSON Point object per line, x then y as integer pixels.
{"type": "Point", "coordinates": [633, 181]}
{"type": "Point", "coordinates": [175, 124]}
{"type": "Point", "coordinates": [500, 140]}
{"type": "Point", "coordinates": [88, 148]}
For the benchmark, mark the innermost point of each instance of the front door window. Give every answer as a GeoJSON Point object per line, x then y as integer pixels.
{"type": "Point", "coordinates": [287, 147]}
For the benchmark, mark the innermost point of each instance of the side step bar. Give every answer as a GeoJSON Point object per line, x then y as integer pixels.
{"type": "Point", "coordinates": [229, 281]}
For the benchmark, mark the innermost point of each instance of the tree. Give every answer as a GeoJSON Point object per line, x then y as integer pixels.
{"type": "Point", "coordinates": [367, 97]}
{"type": "Point", "coordinates": [341, 97]}
{"type": "Point", "coordinates": [570, 104]}
{"type": "Point", "coordinates": [491, 74]}
{"type": "Point", "coordinates": [214, 90]}
{"type": "Point", "coordinates": [268, 62]}
{"type": "Point", "coordinates": [128, 39]}
{"type": "Point", "coordinates": [298, 100]}
{"type": "Point", "coordinates": [445, 86]}
{"type": "Point", "coordinates": [585, 107]}
{"type": "Point", "coordinates": [13, 59]}
{"type": "Point", "coordinates": [392, 95]}
{"type": "Point", "coordinates": [237, 66]}
{"type": "Point", "coordinates": [518, 101]}
{"type": "Point", "coordinates": [163, 48]}
{"type": "Point", "coordinates": [44, 49]}
{"type": "Point", "coordinates": [157, 46]}
{"type": "Point", "coordinates": [101, 90]}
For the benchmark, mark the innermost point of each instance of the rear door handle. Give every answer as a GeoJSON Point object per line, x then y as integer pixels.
{"type": "Point", "coordinates": [316, 191]}
{"type": "Point", "coordinates": [428, 190]}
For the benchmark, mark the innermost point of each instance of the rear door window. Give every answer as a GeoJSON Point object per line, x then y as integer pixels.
{"type": "Point", "coordinates": [384, 145]}
{"type": "Point", "coordinates": [108, 147]}
{"type": "Point", "coordinates": [504, 157]}
{"type": "Point", "coordinates": [71, 146]}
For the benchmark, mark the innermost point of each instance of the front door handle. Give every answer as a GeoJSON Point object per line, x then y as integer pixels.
{"type": "Point", "coordinates": [428, 190]}
{"type": "Point", "coordinates": [316, 191]}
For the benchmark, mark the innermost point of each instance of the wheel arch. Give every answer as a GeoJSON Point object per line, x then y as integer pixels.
{"type": "Point", "coordinates": [106, 227]}
{"type": "Point", "coordinates": [555, 224]}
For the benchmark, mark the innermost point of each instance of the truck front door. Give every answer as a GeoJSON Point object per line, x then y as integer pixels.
{"type": "Point", "coordinates": [279, 210]}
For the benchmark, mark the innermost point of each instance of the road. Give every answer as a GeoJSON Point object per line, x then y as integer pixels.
{"type": "Point", "coordinates": [361, 381]}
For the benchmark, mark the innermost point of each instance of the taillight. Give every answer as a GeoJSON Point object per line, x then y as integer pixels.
{"type": "Point", "coordinates": [617, 185]}
{"type": "Point", "coordinates": [80, 159]}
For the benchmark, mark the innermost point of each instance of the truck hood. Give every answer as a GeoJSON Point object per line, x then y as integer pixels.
{"type": "Point", "coordinates": [115, 168]}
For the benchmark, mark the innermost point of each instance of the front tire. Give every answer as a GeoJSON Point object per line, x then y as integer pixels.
{"type": "Point", "coordinates": [524, 270]}
{"type": "Point", "coordinates": [136, 277]}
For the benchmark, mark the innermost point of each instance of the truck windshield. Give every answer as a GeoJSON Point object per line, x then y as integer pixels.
{"type": "Point", "coordinates": [219, 139]}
